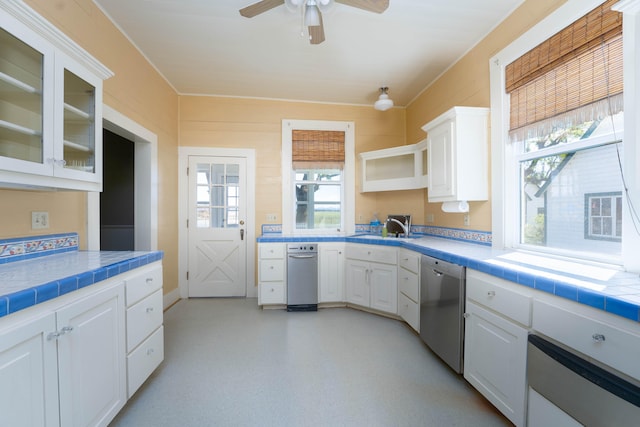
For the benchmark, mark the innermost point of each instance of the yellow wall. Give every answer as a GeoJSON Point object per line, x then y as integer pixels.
{"type": "Point", "coordinates": [138, 92]}
{"type": "Point", "coordinates": [141, 94]}
{"type": "Point", "coordinates": [254, 123]}
{"type": "Point", "coordinates": [467, 84]}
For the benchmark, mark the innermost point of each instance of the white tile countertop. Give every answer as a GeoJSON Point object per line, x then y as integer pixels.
{"type": "Point", "coordinates": [607, 289]}
{"type": "Point", "coordinates": [31, 281]}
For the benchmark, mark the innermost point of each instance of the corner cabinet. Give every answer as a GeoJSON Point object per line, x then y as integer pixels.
{"type": "Point", "coordinates": [50, 106]}
{"type": "Point", "coordinates": [458, 159]}
{"type": "Point", "coordinates": [371, 275]}
{"type": "Point", "coordinates": [397, 168]}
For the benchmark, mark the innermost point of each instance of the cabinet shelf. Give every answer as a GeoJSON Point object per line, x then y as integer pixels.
{"type": "Point", "coordinates": [72, 113]}
{"type": "Point", "coordinates": [397, 168]}
{"type": "Point", "coordinates": [19, 129]}
{"type": "Point", "coordinates": [77, 147]}
{"type": "Point", "coordinates": [18, 84]}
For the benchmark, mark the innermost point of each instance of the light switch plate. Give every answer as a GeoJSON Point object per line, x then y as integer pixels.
{"type": "Point", "coordinates": [39, 220]}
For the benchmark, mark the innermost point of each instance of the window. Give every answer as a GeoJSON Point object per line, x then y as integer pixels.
{"type": "Point", "coordinates": [318, 177]}
{"type": "Point", "coordinates": [217, 195]}
{"type": "Point", "coordinates": [604, 216]}
{"type": "Point", "coordinates": [557, 131]}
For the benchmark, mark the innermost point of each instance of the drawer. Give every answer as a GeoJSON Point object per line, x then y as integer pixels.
{"type": "Point", "coordinates": [602, 341]}
{"type": "Point", "coordinates": [409, 311]}
{"type": "Point", "coordinates": [143, 284]}
{"type": "Point", "coordinates": [144, 360]}
{"type": "Point", "coordinates": [409, 284]}
{"type": "Point", "coordinates": [272, 293]}
{"type": "Point", "coordinates": [372, 253]}
{"type": "Point", "coordinates": [143, 318]}
{"type": "Point", "coordinates": [271, 250]}
{"type": "Point", "coordinates": [272, 270]}
{"type": "Point", "coordinates": [499, 296]}
{"type": "Point", "coordinates": [409, 260]}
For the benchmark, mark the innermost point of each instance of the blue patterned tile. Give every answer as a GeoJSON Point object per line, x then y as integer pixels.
{"type": "Point", "coordinates": [47, 291]}
{"type": "Point", "coordinates": [591, 298]}
{"type": "Point", "coordinates": [21, 300]}
{"type": "Point", "coordinates": [618, 306]}
{"type": "Point", "coordinates": [18, 249]}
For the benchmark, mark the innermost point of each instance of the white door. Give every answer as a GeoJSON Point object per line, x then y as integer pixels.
{"type": "Point", "coordinates": [216, 226]}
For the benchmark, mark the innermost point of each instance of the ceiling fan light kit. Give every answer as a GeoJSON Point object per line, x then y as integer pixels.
{"type": "Point", "coordinates": [384, 102]}
{"type": "Point", "coordinates": [312, 11]}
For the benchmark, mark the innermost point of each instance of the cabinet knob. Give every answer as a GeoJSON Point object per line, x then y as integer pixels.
{"type": "Point", "coordinates": [491, 294]}
{"type": "Point", "coordinates": [149, 309]}
{"type": "Point", "coordinates": [598, 337]}
{"type": "Point", "coordinates": [466, 315]}
{"type": "Point", "coordinates": [271, 268]}
{"type": "Point", "coordinates": [149, 279]}
{"type": "Point", "coordinates": [150, 352]}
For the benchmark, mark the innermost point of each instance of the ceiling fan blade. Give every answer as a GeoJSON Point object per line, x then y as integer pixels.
{"type": "Point", "coordinates": [260, 7]}
{"type": "Point", "coordinates": [377, 6]}
{"type": "Point", "coordinates": [316, 32]}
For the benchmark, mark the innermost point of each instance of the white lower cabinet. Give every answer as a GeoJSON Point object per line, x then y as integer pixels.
{"type": "Point", "coordinates": [91, 363]}
{"type": "Point", "coordinates": [409, 287]}
{"type": "Point", "coordinates": [64, 362]}
{"type": "Point", "coordinates": [331, 272]}
{"type": "Point", "coordinates": [64, 366]}
{"type": "Point", "coordinates": [495, 345]}
{"type": "Point", "coordinates": [272, 266]}
{"type": "Point", "coordinates": [372, 277]}
{"type": "Point", "coordinates": [145, 334]}
{"type": "Point", "coordinates": [29, 374]}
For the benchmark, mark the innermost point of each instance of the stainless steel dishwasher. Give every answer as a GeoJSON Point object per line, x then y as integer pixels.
{"type": "Point", "coordinates": [302, 277]}
{"type": "Point", "coordinates": [442, 293]}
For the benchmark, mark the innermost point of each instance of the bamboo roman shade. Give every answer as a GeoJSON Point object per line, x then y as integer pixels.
{"type": "Point", "coordinates": [317, 149]}
{"type": "Point", "coordinates": [576, 75]}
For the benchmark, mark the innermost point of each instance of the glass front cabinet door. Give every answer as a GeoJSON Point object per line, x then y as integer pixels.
{"type": "Point", "coordinates": [50, 110]}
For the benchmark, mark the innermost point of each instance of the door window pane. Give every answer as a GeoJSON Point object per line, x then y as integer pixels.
{"type": "Point", "coordinates": [218, 195]}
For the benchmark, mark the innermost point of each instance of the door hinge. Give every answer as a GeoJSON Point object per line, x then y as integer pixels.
{"type": "Point", "coordinates": [187, 223]}
{"type": "Point", "coordinates": [187, 275]}
{"type": "Point", "coordinates": [187, 171]}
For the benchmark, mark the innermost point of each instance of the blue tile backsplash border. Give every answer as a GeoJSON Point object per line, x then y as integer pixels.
{"type": "Point", "coordinates": [21, 248]}
{"type": "Point", "coordinates": [469, 236]}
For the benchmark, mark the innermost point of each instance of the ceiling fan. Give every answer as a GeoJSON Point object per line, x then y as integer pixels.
{"type": "Point", "coordinates": [312, 17]}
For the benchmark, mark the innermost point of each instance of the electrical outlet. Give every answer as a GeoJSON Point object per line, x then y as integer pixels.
{"type": "Point", "coordinates": [430, 218]}
{"type": "Point", "coordinates": [39, 220]}
{"type": "Point", "coordinates": [467, 221]}
{"type": "Point", "coordinates": [272, 217]}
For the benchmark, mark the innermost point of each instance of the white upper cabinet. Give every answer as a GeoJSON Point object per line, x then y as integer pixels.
{"type": "Point", "coordinates": [50, 105]}
{"type": "Point", "coordinates": [457, 155]}
{"type": "Point", "coordinates": [397, 168]}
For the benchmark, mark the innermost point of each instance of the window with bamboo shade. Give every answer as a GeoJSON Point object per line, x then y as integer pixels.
{"type": "Point", "coordinates": [574, 74]}
{"type": "Point", "coordinates": [566, 126]}
{"type": "Point", "coordinates": [317, 149]}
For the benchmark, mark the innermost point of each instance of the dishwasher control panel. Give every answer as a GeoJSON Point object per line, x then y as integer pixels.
{"type": "Point", "coordinates": [302, 248]}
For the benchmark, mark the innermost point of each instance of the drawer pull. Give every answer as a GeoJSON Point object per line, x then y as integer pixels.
{"type": "Point", "coordinates": [149, 309]}
{"type": "Point", "coordinates": [271, 268]}
{"type": "Point", "coordinates": [491, 294]}
{"type": "Point", "coordinates": [149, 279]}
{"type": "Point", "coordinates": [598, 337]}
{"type": "Point", "coordinates": [149, 352]}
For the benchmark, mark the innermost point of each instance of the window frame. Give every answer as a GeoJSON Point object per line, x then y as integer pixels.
{"type": "Point", "coordinates": [505, 182]}
{"type": "Point", "coordinates": [588, 216]}
{"type": "Point", "coordinates": [288, 176]}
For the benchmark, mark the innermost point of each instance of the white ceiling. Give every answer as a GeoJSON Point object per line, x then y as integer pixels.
{"type": "Point", "coordinates": [205, 47]}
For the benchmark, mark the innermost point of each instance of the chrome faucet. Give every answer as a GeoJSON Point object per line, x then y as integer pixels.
{"type": "Point", "coordinates": [405, 226]}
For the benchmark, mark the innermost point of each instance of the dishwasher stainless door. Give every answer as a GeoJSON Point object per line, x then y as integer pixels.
{"type": "Point", "coordinates": [442, 293]}
{"type": "Point", "coordinates": [590, 394]}
{"type": "Point", "coordinates": [302, 277]}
